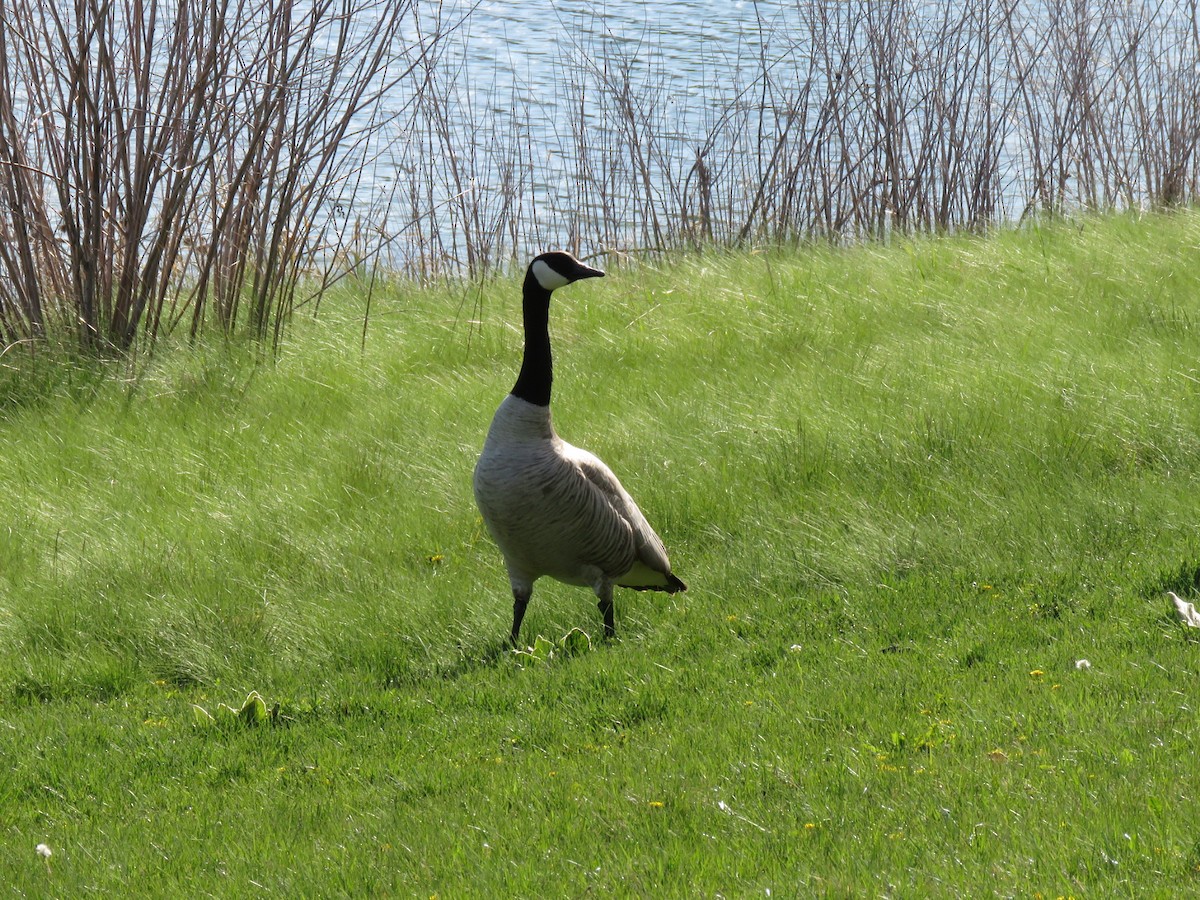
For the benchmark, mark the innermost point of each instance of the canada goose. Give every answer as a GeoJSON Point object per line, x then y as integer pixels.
{"type": "Point", "coordinates": [554, 509]}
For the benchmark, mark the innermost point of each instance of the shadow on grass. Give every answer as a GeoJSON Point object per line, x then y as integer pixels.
{"type": "Point", "coordinates": [1184, 580]}
{"type": "Point", "coordinates": [403, 670]}
{"type": "Point", "coordinates": [424, 667]}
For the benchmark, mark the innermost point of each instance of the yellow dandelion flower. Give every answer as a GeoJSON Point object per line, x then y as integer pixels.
{"type": "Point", "coordinates": [1037, 673]}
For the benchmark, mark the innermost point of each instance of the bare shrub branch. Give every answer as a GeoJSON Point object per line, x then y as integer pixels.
{"type": "Point", "coordinates": [161, 162]}
{"type": "Point", "coordinates": [220, 162]}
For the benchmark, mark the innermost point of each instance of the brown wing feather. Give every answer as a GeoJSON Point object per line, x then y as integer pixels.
{"type": "Point", "coordinates": [651, 568]}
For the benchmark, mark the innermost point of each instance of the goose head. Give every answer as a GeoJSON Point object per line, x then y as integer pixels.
{"type": "Point", "coordinates": [557, 268]}
{"type": "Point", "coordinates": [547, 273]}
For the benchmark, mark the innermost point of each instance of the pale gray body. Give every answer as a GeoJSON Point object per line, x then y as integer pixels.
{"type": "Point", "coordinates": [557, 510]}
{"type": "Point", "coordinates": [554, 509]}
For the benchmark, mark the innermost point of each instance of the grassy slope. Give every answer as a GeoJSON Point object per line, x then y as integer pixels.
{"type": "Point", "coordinates": [908, 486]}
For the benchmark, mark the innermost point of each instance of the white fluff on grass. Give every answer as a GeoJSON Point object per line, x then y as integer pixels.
{"type": "Point", "coordinates": [1185, 611]}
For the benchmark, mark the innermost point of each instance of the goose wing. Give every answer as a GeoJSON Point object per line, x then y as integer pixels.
{"type": "Point", "coordinates": [650, 567]}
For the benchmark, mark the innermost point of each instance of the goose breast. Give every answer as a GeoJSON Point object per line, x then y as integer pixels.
{"type": "Point", "coordinates": [557, 510]}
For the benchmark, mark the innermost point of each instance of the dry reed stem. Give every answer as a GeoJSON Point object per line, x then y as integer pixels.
{"type": "Point", "coordinates": [214, 169]}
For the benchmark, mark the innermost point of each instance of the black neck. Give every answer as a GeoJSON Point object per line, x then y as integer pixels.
{"type": "Point", "coordinates": [533, 382]}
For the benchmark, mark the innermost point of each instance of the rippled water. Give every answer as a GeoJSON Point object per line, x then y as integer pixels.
{"type": "Point", "coordinates": [527, 73]}
{"type": "Point", "coordinates": [687, 42]}
{"type": "Point", "coordinates": [600, 126]}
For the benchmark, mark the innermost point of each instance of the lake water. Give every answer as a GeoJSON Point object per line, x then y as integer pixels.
{"type": "Point", "coordinates": [625, 125]}
{"type": "Point", "coordinates": [622, 126]}
{"type": "Point", "coordinates": [527, 89]}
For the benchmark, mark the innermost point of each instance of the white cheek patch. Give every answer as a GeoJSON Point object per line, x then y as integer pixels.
{"type": "Point", "coordinates": [547, 277]}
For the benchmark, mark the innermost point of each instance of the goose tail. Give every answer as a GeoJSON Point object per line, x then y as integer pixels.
{"type": "Point", "coordinates": [669, 584]}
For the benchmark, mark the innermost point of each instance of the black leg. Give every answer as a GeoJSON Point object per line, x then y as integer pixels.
{"type": "Point", "coordinates": [520, 601]}
{"type": "Point", "coordinates": [606, 609]}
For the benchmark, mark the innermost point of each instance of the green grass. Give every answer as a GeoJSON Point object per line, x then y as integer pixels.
{"type": "Point", "coordinates": [909, 486]}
